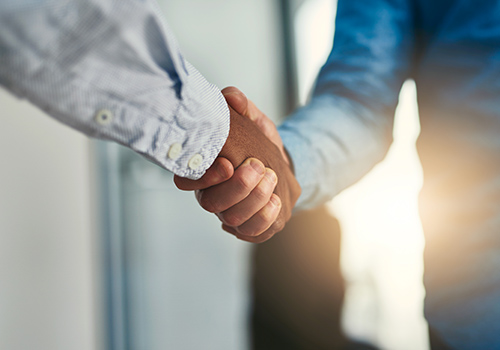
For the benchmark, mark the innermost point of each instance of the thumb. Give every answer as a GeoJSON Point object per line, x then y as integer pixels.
{"type": "Point", "coordinates": [243, 106]}
{"type": "Point", "coordinates": [237, 100]}
{"type": "Point", "coordinates": [220, 171]}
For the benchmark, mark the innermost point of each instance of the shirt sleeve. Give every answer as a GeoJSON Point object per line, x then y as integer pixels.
{"type": "Point", "coordinates": [347, 126]}
{"type": "Point", "coordinates": [113, 70]}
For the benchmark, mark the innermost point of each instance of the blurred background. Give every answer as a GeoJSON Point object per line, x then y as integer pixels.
{"type": "Point", "coordinates": [99, 250]}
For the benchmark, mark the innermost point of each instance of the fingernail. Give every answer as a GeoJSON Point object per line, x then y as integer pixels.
{"type": "Point", "coordinates": [258, 166]}
{"type": "Point", "coordinates": [271, 175]}
{"type": "Point", "coordinates": [275, 200]}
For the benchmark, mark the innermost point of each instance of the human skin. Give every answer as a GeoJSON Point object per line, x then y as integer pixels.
{"type": "Point", "coordinates": [250, 187]}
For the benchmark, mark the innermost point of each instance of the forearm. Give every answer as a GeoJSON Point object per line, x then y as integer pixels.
{"type": "Point", "coordinates": [347, 127]}
{"type": "Point", "coordinates": [331, 148]}
{"type": "Point", "coordinates": [112, 70]}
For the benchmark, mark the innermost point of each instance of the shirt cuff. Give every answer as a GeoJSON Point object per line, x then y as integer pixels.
{"type": "Point", "coordinates": [298, 150]}
{"type": "Point", "coordinates": [203, 119]}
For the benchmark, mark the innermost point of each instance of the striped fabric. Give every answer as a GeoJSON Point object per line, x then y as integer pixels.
{"type": "Point", "coordinates": [77, 58]}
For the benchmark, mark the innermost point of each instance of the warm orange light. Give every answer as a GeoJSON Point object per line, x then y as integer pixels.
{"type": "Point", "coordinates": [383, 242]}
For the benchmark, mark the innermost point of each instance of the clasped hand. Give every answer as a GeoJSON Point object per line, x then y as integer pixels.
{"type": "Point", "coordinates": [250, 187]}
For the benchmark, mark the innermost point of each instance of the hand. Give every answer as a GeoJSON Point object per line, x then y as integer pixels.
{"type": "Point", "coordinates": [237, 100]}
{"type": "Point", "coordinates": [245, 203]}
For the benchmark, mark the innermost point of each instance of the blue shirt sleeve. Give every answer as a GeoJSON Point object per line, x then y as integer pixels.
{"type": "Point", "coordinates": [347, 126]}
{"type": "Point", "coordinates": [113, 70]}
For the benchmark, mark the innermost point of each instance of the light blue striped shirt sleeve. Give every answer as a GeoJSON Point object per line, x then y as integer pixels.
{"type": "Point", "coordinates": [113, 70]}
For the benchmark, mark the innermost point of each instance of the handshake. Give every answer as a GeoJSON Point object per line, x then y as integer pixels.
{"type": "Point", "coordinates": [250, 186]}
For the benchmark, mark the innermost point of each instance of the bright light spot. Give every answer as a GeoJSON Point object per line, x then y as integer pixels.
{"type": "Point", "coordinates": [383, 243]}
{"type": "Point", "coordinates": [314, 27]}
{"type": "Point", "coordinates": [381, 233]}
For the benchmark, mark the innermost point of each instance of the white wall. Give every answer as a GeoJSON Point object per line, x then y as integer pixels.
{"type": "Point", "coordinates": [46, 249]}
{"type": "Point", "coordinates": [48, 256]}
{"type": "Point", "coordinates": [187, 280]}
{"type": "Point", "coordinates": [233, 42]}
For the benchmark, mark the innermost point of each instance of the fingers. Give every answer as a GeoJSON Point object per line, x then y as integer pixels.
{"type": "Point", "coordinates": [260, 222]}
{"type": "Point", "coordinates": [262, 226]}
{"type": "Point", "coordinates": [240, 213]}
{"type": "Point", "coordinates": [220, 171]}
{"type": "Point", "coordinates": [245, 203]}
{"type": "Point", "coordinates": [246, 178]}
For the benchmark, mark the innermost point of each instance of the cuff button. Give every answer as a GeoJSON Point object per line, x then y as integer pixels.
{"type": "Point", "coordinates": [104, 117]}
{"type": "Point", "coordinates": [195, 162]}
{"type": "Point", "coordinates": [175, 151]}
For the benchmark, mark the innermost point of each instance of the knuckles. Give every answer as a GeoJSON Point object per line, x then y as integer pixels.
{"type": "Point", "coordinates": [244, 182]}
{"type": "Point", "coordinates": [245, 231]}
{"type": "Point", "coordinates": [232, 219]}
{"type": "Point", "coordinates": [262, 193]}
{"type": "Point", "coordinates": [278, 225]}
{"type": "Point", "coordinates": [207, 202]}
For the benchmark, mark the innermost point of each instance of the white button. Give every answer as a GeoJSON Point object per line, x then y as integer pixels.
{"type": "Point", "coordinates": [175, 151]}
{"type": "Point", "coordinates": [195, 161]}
{"type": "Point", "coordinates": [104, 117]}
